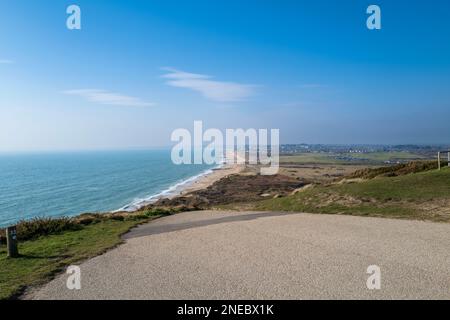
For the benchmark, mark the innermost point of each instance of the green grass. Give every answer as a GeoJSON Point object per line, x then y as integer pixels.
{"type": "Point", "coordinates": [394, 197]}
{"type": "Point", "coordinates": [385, 156]}
{"type": "Point", "coordinates": [331, 158]}
{"type": "Point", "coordinates": [395, 170]}
{"type": "Point", "coordinates": [311, 158]}
{"type": "Point", "coordinates": [303, 203]}
{"type": "Point", "coordinates": [41, 258]}
{"type": "Point", "coordinates": [419, 186]}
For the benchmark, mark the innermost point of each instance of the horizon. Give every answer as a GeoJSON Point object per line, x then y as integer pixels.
{"type": "Point", "coordinates": [169, 147]}
{"type": "Point", "coordinates": [136, 71]}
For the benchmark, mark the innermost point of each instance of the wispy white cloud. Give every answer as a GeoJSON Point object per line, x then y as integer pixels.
{"type": "Point", "coordinates": [108, 98]}
{"type": "Point", "coordinates": [6, 61]}
{"type": "Point", "coordinates": [211, 89]}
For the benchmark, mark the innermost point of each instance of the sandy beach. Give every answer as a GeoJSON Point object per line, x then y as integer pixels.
{"type": "Point", "coordinates": [206, 180]}
{"type": "Point", "coordinates": [234, 165]}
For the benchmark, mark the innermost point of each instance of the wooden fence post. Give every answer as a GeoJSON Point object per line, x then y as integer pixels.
{"type": "Point", "coordinates": [439, 161]}
{"type": "Point", "coordinates": [11, 242]}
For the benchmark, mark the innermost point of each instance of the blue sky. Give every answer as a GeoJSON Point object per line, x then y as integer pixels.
{"type": "Point", "coordinates": [137, 70]}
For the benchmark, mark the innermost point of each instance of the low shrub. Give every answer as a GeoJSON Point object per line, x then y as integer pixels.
{"type": "Point", "coordinates": [89, 218]}
{"type": "Point", "coordinates": [117, 217]}
{"type": "Point", "coordinates": [37, 227]}
{"type": "Point", "coordinates": [157, 212]}
{"type": "Point", "coordinates": [136, 217]}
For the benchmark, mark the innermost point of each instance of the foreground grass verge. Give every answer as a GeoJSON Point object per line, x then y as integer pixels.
{"type": "Point", "coordinates": [42, 258]}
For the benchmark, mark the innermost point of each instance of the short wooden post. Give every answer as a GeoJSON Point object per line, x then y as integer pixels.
{"type": "Point", "coordinates": [448, 158]}
{"type": "Point", "coordinates": [439, 161]}
{"type": "Point", "coordinates": [11, 242]}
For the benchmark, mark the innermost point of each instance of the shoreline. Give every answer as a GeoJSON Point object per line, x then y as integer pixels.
{"type": "Point", "coordinates": [189, 185]}
{"type": "Point", "coordinates": [210, 178]}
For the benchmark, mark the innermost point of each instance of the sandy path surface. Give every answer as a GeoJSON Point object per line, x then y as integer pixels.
{"type": "Point", "coordinates": [251, 255]}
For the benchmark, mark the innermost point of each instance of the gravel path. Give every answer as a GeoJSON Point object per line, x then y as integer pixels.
{"type": "Point", "coordinates": [251, 255]}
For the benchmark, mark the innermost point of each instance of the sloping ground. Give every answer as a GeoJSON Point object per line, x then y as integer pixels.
{"type": "Point", "coordinates": [424, 195]}
{"type": "Point", "coordinates": [267, 255]}
{"type": "Point", "coordinates": [40, 259]}
{"type": "Point", "coordinates": [396, 170]}
{"type": "Point", "coordinates": [233, 189]}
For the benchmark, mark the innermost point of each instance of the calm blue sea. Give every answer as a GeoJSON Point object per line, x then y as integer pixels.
{"type": "Point", "coordinates": [67, 184]}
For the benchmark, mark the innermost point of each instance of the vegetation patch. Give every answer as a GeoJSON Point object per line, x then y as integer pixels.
{"type": "Point", "coordinates": [421, 186]}
{"type": "Point", "coordinates": [385, 156]}
{"type": "Point", "coordinates": [424, 196]}
{"type": "Point", "coordinates": [396, 170]}
{"type": "Point", "coordinates": [47, 246]}
{"type": "Point", "coordinates": [350, 158]}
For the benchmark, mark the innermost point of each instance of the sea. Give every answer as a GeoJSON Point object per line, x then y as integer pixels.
{"type": "Point", "coordinates": [50, 184]}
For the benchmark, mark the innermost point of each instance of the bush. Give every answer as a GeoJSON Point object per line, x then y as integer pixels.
{"type": "Point", "coordinates": [89, 218]}
{"type": "Point", "coordinates": [136, 217]}
{"type": "Point", "coordinates": [157, 212]}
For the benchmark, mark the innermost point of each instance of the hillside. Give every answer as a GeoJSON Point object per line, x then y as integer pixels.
{"type": "Point", "coordinates": [424, 195]}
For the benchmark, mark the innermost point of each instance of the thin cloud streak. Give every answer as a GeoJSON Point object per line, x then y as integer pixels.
{"type": "Point", "coordinates": [108, 98]}
{"type": "Point", "coordinates": [218, 91]}
{"type": "Point", "coordinates": [6, 61]}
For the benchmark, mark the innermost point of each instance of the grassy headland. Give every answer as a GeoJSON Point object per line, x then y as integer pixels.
{"type": "Point", "coordinates": [422, 195]}
{"type": "Point", "coordinates": [413, 190]}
